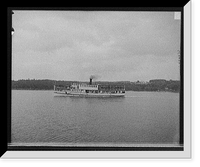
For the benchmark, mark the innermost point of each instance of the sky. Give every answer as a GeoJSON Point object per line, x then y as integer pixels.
{"type": "Point", "coordinates": [113, 45]}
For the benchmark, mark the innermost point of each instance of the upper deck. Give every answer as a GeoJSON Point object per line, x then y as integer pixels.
{"type": "Point", "coordinates": [84, 86]}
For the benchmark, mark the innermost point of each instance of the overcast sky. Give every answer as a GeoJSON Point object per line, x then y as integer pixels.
{"type": "Point", "coordinates": [115, 45]}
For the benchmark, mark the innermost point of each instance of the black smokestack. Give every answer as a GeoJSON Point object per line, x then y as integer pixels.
{"type": "Point", "coordinates": [93, 77]}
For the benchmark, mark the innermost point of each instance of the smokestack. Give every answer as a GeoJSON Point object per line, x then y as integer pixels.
{"type": "Point", "coordinates": [93, 77]}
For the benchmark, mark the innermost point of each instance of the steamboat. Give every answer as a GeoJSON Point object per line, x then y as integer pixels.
{"type": "Point", "coordinates": [90, 90]}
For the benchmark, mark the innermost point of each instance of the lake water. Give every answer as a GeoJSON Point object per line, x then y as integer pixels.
{"type": "Point", "coordinates": [137, 118]}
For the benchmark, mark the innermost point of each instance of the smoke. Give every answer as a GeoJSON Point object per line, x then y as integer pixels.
{"type": "Point", "coordinates": [94, 77]}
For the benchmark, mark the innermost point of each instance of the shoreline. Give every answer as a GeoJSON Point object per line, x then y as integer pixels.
{"type": "Point", "coordinates": [126, 90]}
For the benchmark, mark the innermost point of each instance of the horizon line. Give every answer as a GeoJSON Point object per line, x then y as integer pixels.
{"type": "Point", "coordinates": [100, 80]}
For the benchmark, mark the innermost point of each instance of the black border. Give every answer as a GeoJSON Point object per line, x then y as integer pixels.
{"type": "Point", "coordinates": [74, 148]}
{"type": "Point", "coordinates": [181, 124]}
{"type": "Point", "coordinates": [12, 148]}
{"type": "Point", "coordinates": [9, 58]}
{"type": "Point", "coordinates": [163, 8]}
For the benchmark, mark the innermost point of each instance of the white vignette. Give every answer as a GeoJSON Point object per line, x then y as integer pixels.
{"type": "Point", "coordinates": [186, 154]}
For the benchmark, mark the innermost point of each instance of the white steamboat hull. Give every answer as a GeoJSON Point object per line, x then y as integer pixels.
{"type": "Point", "coordinates": [78, 94]}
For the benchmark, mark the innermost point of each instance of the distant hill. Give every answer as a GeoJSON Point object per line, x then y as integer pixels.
{"type": "Point", "coordinates": [152, 85]}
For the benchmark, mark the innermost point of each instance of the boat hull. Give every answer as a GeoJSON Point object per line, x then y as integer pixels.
{"type": "Point", "coordinates": [62, 93]}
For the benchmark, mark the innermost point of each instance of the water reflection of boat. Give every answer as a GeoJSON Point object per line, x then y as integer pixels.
{"type": "Point", "coordinates": [90, 90]}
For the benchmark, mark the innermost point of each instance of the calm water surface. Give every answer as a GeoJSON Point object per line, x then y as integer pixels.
{"type": "Point", "coordinates": [138, 118]}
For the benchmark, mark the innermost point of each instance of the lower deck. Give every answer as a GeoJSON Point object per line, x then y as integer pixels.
{"type": "Point", "coordinates": [83, 94]}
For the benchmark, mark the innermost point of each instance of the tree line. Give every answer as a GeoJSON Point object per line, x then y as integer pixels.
{"type": "Point", "coordinates": [152, 85]}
